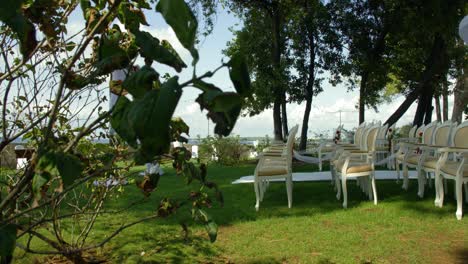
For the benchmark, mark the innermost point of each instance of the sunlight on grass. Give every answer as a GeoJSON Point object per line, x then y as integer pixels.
{"type": "Point", "coordinates": [401, 229]}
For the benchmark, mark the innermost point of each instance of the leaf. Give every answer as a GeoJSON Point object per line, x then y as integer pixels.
{"type": "Point", "coordinates": [7, 240]}
{"type": "Point", "coordinates": [150, 118]}
{"type": "Point", "coordinates": [70, 46]}
{"type": "Point", "coordinates": [115, 51]}
{"type": "Point", "coordinates": [162, 52]}
{"type": "Point", "coordinates": [181, 19]}
{"type": "Point", "coordinates": [39, 180]}
{"type": "Point", "coordinates": [120, 122]}
{"type": "Point", "coordinates": [223, 108]}
{"type": "Point", "coordinates": [11, 14]}
{"type": "Point", "coordinates": [138, 83]}
{"type": "Point", "coordinates": [212, 229]}
{"type": "Point", "coordinates": [69, 167]}
{"type": "Point", "coordinates": [131, 17]}
{"type": "Point", "coordinates": [239, 73]}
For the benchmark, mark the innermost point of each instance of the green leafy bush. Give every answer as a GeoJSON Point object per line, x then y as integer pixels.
{"type": "Point", "coordinates": [226, 151]}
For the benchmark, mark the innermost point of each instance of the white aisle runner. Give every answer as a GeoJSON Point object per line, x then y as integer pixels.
{"type": "Point", "coordinates": [326, 176]}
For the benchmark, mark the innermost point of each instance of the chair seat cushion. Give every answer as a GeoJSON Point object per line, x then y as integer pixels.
{"type": "Point", "coordinates": [451, 168]}
{"type": "Point", "coordinates": [381, 148]}
{"type": "Point", "coordinates": [413, 159]}
{"type": "Point", "coordinates": [400, 156]}
{"type": "Point", "coordinates": [359, 168]}
{"type": "Point", "coordinates": [327, 149]}
{"type": "Point", "coordinates": [272, 170]}
{"type": "Point", "coordinates": [430, 162]}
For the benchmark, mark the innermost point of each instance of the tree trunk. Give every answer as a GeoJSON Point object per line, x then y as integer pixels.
{"type": "Point", "coordinates": [362, 96]}
{"type": "Point", "coordinates": [434, 66]}
{"type": "Point", "coordinates": [284, 117]}
{"type": "Point", "coordinates": [428, 111]}
{"type": "Point", "coordinates": [278, 132]}
{"type": "Point", "coordinates": [445, 101]}
{"type": "Point", "coordinates": [276, 59]}
{"type": "Point", "coordinates": [309, 90]}
{"type": "Point", "coordinates": [438, 109]}
{"type": "Point", "coordinates": [460, 96]}
{"type": "Point", "coordinates": [420, 111]}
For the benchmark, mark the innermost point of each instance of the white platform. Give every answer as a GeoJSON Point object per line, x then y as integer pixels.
{"type": "Point", "coordinates": [326, 176]}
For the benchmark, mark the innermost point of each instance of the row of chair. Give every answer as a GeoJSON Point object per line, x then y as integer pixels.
{"type": "Point", "coordinates": [438, 148]}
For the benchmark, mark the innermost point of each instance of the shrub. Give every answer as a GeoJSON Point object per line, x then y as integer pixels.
{"type": "Point", "coordinates": [225, 151]}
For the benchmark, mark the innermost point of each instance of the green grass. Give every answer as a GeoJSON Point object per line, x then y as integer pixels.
{"type": "Point", "coordinates": [401, 229]}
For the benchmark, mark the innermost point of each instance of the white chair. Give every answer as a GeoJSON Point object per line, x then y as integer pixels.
{"type": "Point", "coordinates": [326, 147]}
{"type": "Point", "coordinates": [340, 148]}
{"type": "Point", "coordinates": [347, 169]}
{"type": "Point", "coordinates": [411, 151]}
{"type": "Point", "coordinates": [426, 164]}
{"type": "Point", "coordinates": [455, 169]}
{"type": "Point", "coordinates": [271, 167]}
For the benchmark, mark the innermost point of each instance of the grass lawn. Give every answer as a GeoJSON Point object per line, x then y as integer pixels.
{"type": "Point", "coordinates": [401, 229]}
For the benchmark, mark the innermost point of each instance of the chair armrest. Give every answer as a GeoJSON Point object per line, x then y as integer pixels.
{"type": "Point", "coordinates": [453, 149]}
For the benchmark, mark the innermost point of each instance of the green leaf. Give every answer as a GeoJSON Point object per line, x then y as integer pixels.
{"type": "Point", "coordinates": [120, 122]}
{"type": "Point", "coordinates": [162, 52]}
{"type": "Point", "coordinates": [212, 229]}
{"type": "Point", "coordinates": [69, 167]}
{"type": "Point", "coordinates": [7, 240]}
{"type": "Point", "coordinates": [223, 108]}
{"type": "Point", "coordinates": [239, 73]}
{"type": "Point", "coordinates": [11, 14]}
{"type": "Point", "coordinates": [39, 180]}
{"type": "Point", "coordinates": [181, 19]}
{"type": "Point", "coordinates": [115, 51]}
{"type": "Point", "coordinates": [138, 83]}
{"type": "Point", "coordinates": [131, 17]}
{"type": "Point", "coordinates": [150, 118]}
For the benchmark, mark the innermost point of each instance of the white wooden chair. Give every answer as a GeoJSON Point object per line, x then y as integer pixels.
{"type": "Point", "coordinates": [275, 166]}
{"type": "Point", "coordinates": [346, 168]}
{"type": "Point", "coordinates": [426, 164]}
{"type": "Point", "coordinates": [340, 148]}
{"type": "Point", "coordinates": [326, 147]}
{"type": "Point", "coordinates": [395, 146]}
{"type": "Point", "coordinates": [455, 169]}
{"type": "Point", "coordinates": [410, 151]}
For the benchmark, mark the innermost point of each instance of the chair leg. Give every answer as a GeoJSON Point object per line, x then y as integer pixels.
{"type": "Point", "coordinates": [289, 190]}
{"type": "Point", "coordinates": [257, 193]}
{"type": "Point", "coordinates": [320, 160]}
{"type": "Point", "coordinates": [459, 190]}
{"type": "Point", "coordinates": [437, 185]}
{"type": "Point", "coordinates": [345, 191]}
{"type": "Point", "coordinates": [338, 187]}
{"type": "Point", "coordinates": [397, 167]}
{"type": "Point", "coordinates": [442, 188]}
{"type": "Point", "coordinates": [421, 183]}
{"type": "Point", "coordinates": [374, 189]}
{"type": "Point", "coordinates": [405, 177]}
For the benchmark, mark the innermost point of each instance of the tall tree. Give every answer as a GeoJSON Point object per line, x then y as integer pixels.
{"type": "Point", "coordinates": [263, 38]}
{"type": "Point", "coordinates": [423, 54]}
{"type": "Point", "coordinates": [316, 48]}
{"type": "Point", "coordinates": [364, 26]}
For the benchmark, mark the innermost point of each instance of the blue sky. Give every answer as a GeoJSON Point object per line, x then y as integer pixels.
{"type": "Point", "coordinates": [323, 117]}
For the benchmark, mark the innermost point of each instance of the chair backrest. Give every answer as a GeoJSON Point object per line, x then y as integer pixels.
{"type": "Point", "coordinates": [291, 140]}
{"type": "Point", "coordinates": [363, 140]}
{"type": "Point", "coordinates": [382, 132]}
{"type": "Point", "coordinates": [460, 136]}
{"type": "Point", "coordinates": [428, 132]}
{"type": "Point", "coordinates": [370, 137]}
{"type": "Point", "coordinates": [358, 134]}
{"type": "Point", "coordinates": [441, 136]}
{"type": "Point", "coordinates": [412, 132]}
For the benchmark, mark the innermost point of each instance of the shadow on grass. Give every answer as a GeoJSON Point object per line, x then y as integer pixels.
{"type": "Point", "coordinates": [461, 255]}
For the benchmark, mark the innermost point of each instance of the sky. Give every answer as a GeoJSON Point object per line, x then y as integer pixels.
{"type": "Point", "coordinates": [324, 117]}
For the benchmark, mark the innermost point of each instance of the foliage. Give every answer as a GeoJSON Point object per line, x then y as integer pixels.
{"type": "Point", "coordinates": [59, 80]}
{"type": "Point", "coordinates": [226, 151]}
